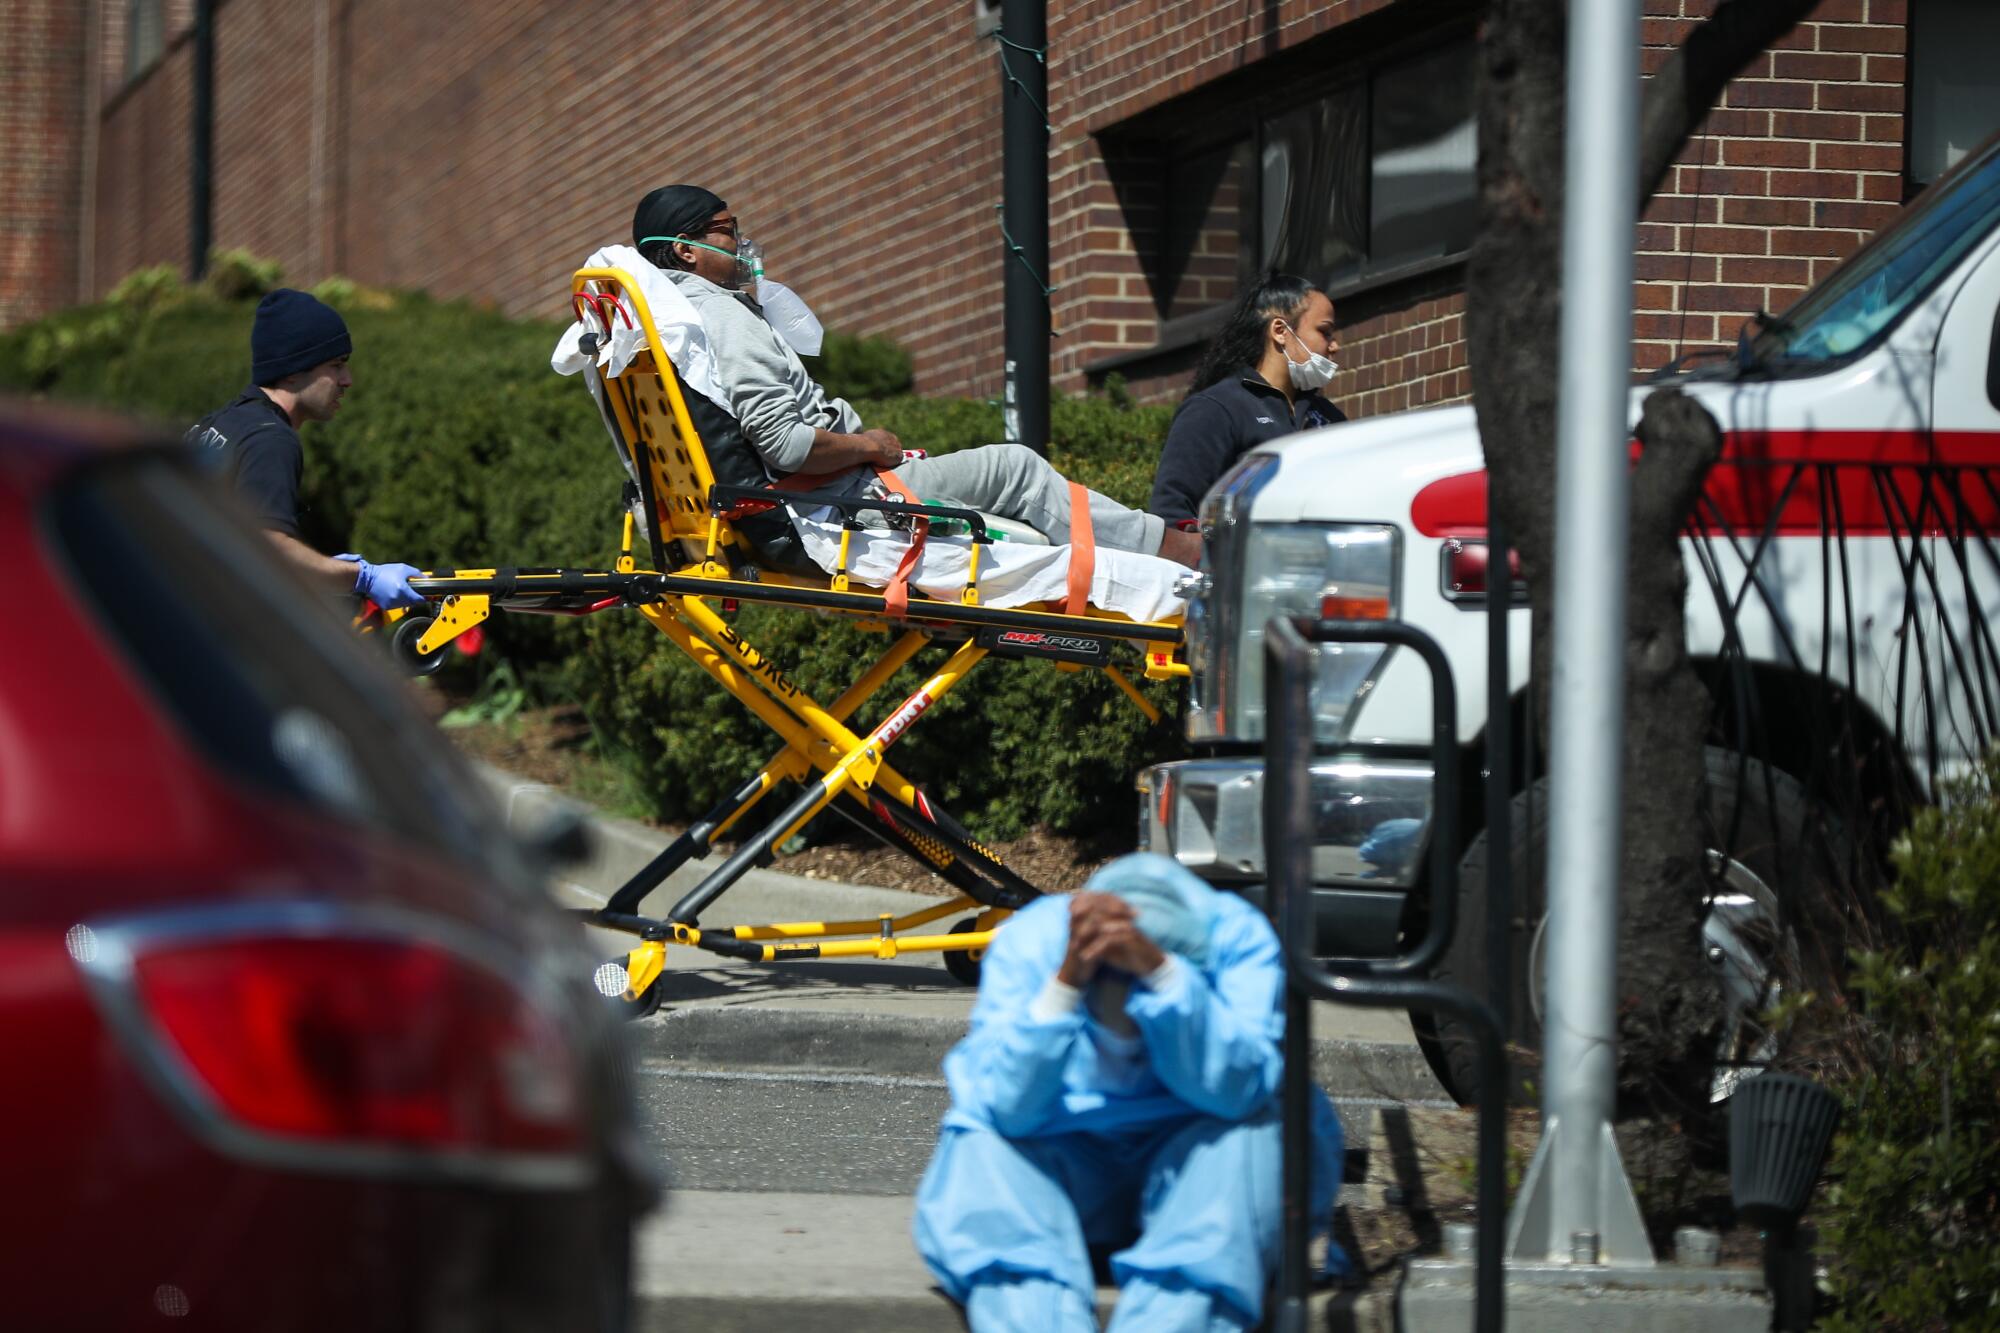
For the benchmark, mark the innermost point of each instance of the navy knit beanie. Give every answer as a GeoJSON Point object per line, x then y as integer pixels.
{"type": "Point", "coordinates": [294, 332]}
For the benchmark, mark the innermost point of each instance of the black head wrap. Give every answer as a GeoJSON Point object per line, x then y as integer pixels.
{"type": "Point", "coordinates": [673, 210]}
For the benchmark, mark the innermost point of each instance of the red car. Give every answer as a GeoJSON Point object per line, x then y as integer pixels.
{"type": "Point", "coordinates": [292, 1037]}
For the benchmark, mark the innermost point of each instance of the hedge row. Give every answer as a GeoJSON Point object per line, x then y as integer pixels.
{"type": "Point", "coordinates": [459, 447]}
{"type": "Point", "coordinates": [1914, 1210]}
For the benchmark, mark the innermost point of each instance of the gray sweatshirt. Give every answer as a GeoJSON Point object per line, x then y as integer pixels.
{"type": "Point", "coordinates": [769, 392]}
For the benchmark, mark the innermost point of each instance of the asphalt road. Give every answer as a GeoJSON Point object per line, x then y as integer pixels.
{"type": "Point", "coordinates": [831, 1133]}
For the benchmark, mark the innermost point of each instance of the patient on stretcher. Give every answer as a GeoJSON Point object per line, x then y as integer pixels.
{"type": "Point", "coordinates": [763, 421]}
{"type": "Point", "coordinates": [795, 428]}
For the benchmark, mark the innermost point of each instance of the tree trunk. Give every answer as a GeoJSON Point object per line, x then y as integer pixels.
{"type": "Point", "coordinates": [1668, 1007]}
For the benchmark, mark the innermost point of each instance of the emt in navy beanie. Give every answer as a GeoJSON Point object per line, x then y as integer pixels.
{"type": "Point", "coordinates": [294, 332]}
{"type": "Point", "coordinates": [254, 440]}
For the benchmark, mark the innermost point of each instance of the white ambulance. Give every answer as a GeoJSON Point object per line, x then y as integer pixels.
{"type": "Point", "coordinates": [1844, 575]}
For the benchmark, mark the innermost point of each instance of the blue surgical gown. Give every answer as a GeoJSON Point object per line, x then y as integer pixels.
{"type": "Point", "coordinates": [1059, 1142]}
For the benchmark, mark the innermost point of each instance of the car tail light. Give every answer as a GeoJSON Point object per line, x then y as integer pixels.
{"type": "Point", "coordinates": [326, 1040]}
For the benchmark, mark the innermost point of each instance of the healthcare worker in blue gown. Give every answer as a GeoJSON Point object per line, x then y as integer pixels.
{"type": "Point", "coordinates": [1118, 1095]}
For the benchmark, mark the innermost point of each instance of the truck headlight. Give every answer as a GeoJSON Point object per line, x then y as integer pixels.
{"type": "Point", "coordinates": [1329, 571]}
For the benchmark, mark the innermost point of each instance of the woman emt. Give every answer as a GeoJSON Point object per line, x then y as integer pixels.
{"type": "Point", "coordinates": [1259, 379]}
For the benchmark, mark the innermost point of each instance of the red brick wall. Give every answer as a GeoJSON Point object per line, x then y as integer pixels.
{"type": "Point", "coordinates": [142, 171]}
{"type": "Point", "coordinates": [272, 134]}
{"type": "Point", "coordinates": [44, 53]}
{"type": "Point", "coordinates": [402, 145]}
{"type": "Point", "coordinates": [1800, 163]}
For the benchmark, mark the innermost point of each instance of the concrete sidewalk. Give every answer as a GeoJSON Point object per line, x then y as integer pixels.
{"type": "Point", "coordinates": [795, 1104]}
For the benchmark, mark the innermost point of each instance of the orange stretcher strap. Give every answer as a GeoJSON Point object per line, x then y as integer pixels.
{"type": "Point", "coordinates": [896, 597]}
{"type": "Point", "coordinates": [1082, 550]}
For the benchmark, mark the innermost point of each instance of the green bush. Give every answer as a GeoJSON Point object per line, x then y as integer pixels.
{"type": "Point", "coordinates": [862, 367]}
{"type": "Point", "coordinates": [147, 288]}
{"type": "Point", "coordinates": [238, 275]}
{"type": "Point", "coordinates": [458, 447]}
{"type": "Point", "coordinates": [1913, 1218]}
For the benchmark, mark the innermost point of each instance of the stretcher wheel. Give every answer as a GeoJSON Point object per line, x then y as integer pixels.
{"type": "Point", "coordinates": [961, 963]}
{"type": "Point", "coordinates": [609, 980]}
{"type": "Point", "coordinates": [403, 646]}
{"type": "Point", "coordinates": [646, 1005]}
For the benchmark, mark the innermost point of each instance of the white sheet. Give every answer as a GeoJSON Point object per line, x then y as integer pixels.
{"type": "Point", "coordinates": [1010, 573]}
{"type": "Point", "coordinates": [685, 340]}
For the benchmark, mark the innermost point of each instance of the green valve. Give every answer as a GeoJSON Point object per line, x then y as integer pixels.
{"type": "Point", "coordinates": [947, 526]}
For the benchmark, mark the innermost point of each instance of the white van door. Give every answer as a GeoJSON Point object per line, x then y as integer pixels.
{"type": "Point", "coordinates": [1965, 541]}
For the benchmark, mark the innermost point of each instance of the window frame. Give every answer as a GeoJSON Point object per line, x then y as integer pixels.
{"type": "Point", "coordinates": [1912, 187]}
{"type": "Point", "coordinates": [135, 66]}
{"type": "Point", "coordinates": [1224, 135]}
{"type": "Point", "coordinates": [1199, 123]}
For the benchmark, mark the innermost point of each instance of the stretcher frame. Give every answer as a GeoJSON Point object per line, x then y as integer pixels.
{"type": "Point", "coordinates": [702, 571]}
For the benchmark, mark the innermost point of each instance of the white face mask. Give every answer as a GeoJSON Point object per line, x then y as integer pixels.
{"type": "Point", "coordinates": [1315, 372]}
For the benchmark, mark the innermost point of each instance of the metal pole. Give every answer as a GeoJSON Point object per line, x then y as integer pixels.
{"type": "Point", "coordinates": [1293, 1313]}
{"type": "Point", "coordinates": [1577, 1205]}
{"type": "Point", "coordinates": [201, 139]}
{"type": "Point", "coordinates": [1024, 219]}
{"type": "Point", "coordinates": [1392, 983]}
{"type": "Point", "coordinates": [1499, 904]}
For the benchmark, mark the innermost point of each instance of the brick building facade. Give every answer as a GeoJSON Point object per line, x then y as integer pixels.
{"type": "Point", "coordinates": [482, 151]}
{"type": "Point", "coordinates": [45, 155]}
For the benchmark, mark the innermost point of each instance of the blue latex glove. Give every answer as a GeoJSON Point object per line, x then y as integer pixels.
{"type": "Point", "coordinates": [385, 585]}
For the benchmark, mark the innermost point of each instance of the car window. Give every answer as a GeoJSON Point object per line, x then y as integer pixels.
{"type": "Point", "coordinates": [260, 675]}
{"type": "Point", "coordinates": [1871, 292]}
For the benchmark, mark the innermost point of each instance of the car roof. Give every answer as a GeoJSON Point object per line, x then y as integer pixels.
{"type": "Point", "coordinates": [40, 440]}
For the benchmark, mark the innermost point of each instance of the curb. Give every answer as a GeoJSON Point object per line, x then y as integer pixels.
{"type": "Point", "coordinates": [1334, 1312]}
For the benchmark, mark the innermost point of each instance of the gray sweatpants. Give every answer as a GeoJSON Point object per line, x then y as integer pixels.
{"type": "Point", "coordinates": [1015, 482]}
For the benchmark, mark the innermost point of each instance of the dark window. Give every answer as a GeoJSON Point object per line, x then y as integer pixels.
{"type": "Point", "coordinates": [1954, 94]}
{"type": "Point", "coordinates": [1423, 149]}
{"type": "Point", "coordinates": [1315, 187]}
{"type": "Point", "coordinates": [1368, 179]}
{"type": "Point", "coordinates": [145, 35]}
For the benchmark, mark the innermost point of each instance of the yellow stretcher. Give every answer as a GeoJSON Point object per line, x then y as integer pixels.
{"type": "Point", "coordinates": [701, 569]}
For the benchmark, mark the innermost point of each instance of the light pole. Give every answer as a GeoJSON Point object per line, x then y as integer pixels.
{"type": "Point", "coordinates": [1576, 1205]}
{"type": "Point", "coordinates": [1024, 219]}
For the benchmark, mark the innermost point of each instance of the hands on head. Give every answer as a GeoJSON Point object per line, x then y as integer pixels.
{"type": "Point", "coordinates": [1104, 931]}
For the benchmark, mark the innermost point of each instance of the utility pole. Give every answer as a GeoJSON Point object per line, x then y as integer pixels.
{"type": "Point", "coordinates": [1024, 218]}
{"type": "Point", "coordinates": [1576, 1205]}
{"type": "Point", "coordinates": [201, 140]}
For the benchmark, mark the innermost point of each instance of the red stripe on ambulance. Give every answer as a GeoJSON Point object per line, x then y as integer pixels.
{"type": "Point", "coordinates": [1878, 478]}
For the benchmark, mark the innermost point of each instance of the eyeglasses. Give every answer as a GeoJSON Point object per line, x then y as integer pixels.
{"type": "Point", "coordinates": [725, 228]}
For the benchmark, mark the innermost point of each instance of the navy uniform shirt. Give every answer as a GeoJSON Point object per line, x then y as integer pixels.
{"type": "Point", "coordinates": [1213, 429]}
{"type": "Point", "coordinates": [252, 443]}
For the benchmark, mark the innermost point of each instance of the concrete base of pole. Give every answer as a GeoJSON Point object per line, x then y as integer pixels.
{"type": "Point", "coordinates": [1533, 1231]}
{"type": "Point", "coordinates": [1561, 1298]}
